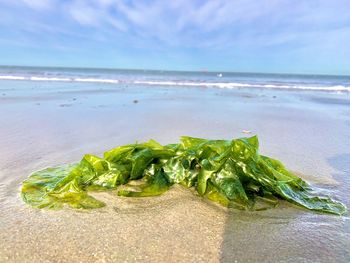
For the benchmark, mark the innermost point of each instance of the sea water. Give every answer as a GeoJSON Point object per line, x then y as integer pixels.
{"type": "Point", "coordinates": [224, 80]}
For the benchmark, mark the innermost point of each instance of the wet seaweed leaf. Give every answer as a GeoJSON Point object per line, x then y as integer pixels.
{"type": "Point", "coordinates": [230, 172]}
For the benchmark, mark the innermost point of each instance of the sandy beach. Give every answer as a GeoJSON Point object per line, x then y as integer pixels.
{"type": "Point", "coordinates": [51, 123]}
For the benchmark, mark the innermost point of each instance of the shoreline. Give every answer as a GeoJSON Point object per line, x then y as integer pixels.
{"type": "Point", "coordinates": [191, 83]}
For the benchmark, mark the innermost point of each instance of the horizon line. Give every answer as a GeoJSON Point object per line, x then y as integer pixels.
{"type": "Point", "coordinates": [177, 70]}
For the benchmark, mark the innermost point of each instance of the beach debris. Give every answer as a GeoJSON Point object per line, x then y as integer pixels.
{"type": "Point", "coordinates": [229, 172]}
{"type": "Point", "coordinates": [246, 131]}
{"type": "Point", "coordinates": [66, 105]}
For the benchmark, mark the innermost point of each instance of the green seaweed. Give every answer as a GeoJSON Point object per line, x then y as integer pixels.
{"type": "Point", "coordinates": [230, 172]}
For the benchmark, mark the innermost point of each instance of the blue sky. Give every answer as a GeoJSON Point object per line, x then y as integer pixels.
{"type": "Point", "coordinates": [295, 36]}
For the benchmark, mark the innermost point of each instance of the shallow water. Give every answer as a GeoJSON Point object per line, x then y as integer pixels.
{"type": "Point", "coordinates": [45, 124]}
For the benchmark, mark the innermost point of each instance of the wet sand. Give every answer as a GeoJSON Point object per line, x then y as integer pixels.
{"type": "Point", "coordinates": [46, 124]}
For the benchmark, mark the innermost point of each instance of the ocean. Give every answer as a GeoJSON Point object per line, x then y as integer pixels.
{"type": "Point", "coordinates": [224, 80]}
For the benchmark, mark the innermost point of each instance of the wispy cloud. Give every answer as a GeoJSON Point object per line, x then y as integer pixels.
{"type": "Point", "coordinates": [39, 5]}
{"type": "Point", "coordinates": [233, 28]}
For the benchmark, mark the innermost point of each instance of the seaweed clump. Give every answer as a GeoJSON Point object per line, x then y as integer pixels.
{"type": "Point", "coordinates": [230, 172]}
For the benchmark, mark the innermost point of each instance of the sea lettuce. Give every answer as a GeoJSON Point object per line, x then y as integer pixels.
{"type": "Point", "coordinates": [230, 172]}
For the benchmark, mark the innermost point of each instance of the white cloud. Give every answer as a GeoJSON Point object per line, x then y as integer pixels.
{"type": "Point", "coordinates": [39, 4]}
{"type": "Point", "coordinates": [105, 3]}
{"type": "Point", "coordinates": [84, 14]}
{"type": "Point", "coordinates": [94, 14]}
{"type": "Point", "coordinates": [211, 24]}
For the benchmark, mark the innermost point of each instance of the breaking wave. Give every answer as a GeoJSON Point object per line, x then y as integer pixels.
{"type": "Point", "coordinates": [192, 83]}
